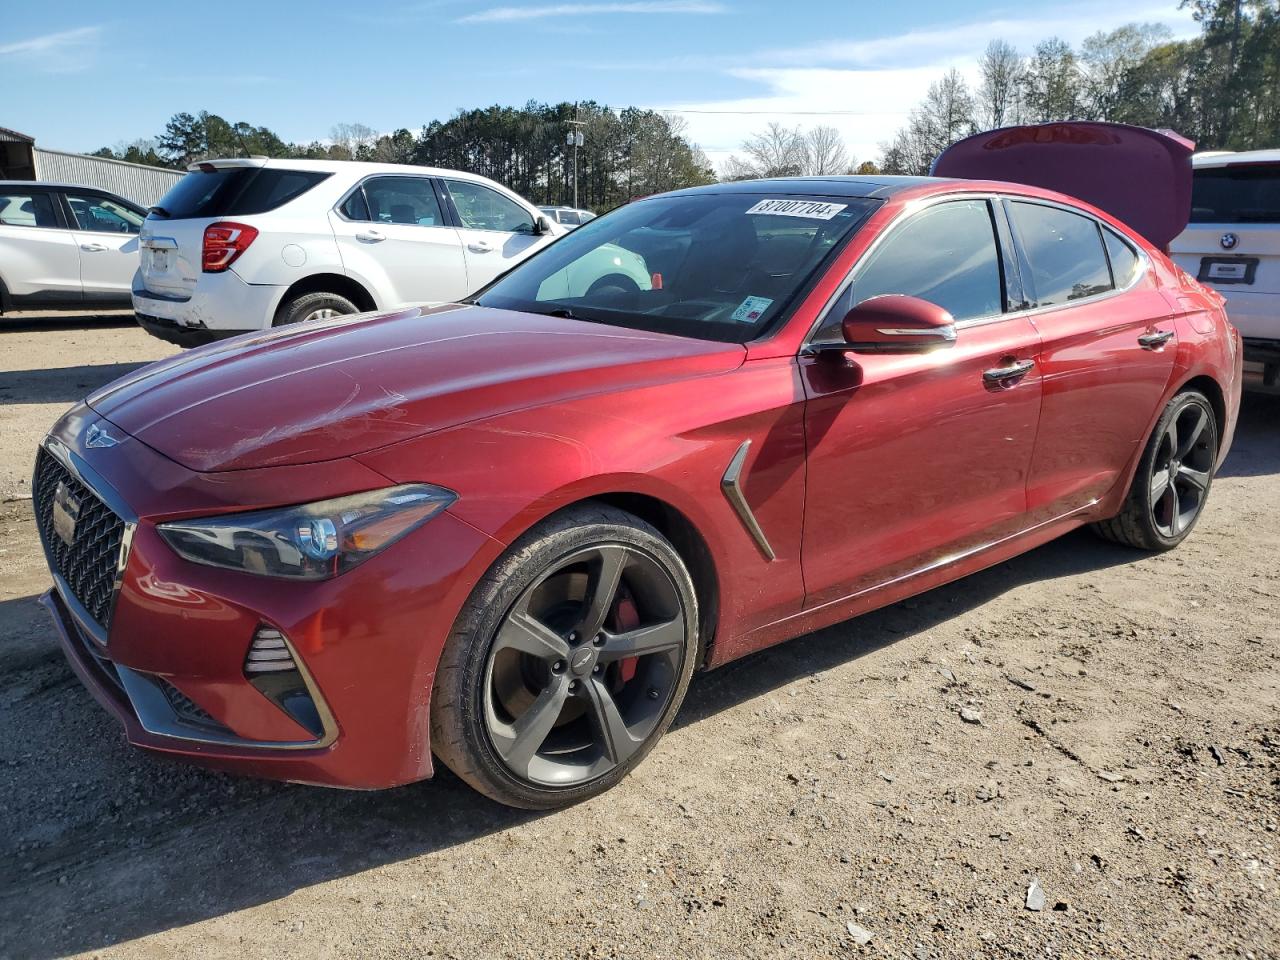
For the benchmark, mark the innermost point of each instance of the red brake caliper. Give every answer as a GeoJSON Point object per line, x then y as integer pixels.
{"type": "Point", "coordinates": [626, 617]}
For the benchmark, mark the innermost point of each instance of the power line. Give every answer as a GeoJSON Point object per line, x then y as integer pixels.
{"type": "Point", "coordinates": [791, 113]}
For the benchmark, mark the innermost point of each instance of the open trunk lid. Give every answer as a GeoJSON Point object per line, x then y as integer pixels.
{"type": "Point", "coordinates": [1141, 177]}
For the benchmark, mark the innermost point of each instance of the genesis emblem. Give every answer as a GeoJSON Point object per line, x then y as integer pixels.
{"type": "Point", "coordinates": [98, 436]}
{"type": "Point", "coordinates": [1229, 241]}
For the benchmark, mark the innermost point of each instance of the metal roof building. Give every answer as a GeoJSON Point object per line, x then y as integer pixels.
{"type": "Point", "coordinates": [21, 159]}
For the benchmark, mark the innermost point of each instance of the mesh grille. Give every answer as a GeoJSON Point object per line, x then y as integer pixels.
{"type": "Point", "coordinates": [187, 709]}
{"type": "Point", "coordinates": [88, 565]}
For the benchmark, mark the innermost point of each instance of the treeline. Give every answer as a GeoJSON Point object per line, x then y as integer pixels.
{"type": "Point", "coordinates": [625, 153]}
{"type": "Point", "coordinates": [1221, 89]}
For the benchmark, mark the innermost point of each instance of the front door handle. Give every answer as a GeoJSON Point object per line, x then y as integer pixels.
{"type": "Point", "coordinates": [1156, 340]}
{"type": "Point", "coordinates": [480, 246]}
{"type": "Point", "coordinates": [371, 236]}
{"type": "Point", "coordinates": [1012, 371]}
{"type": "Point", "coordinates": [92, 247]}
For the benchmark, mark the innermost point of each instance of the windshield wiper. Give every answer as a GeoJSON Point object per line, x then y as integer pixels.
{"type": "Point", "coordinates": [563, 312]}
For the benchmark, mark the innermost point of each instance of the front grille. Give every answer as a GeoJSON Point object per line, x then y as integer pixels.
{"type": "Point", "coordinates": [88, 564]}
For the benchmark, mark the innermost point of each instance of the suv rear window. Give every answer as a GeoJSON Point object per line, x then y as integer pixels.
{"type": "Point", "coordinates": [234, 191]}
{"type": "Point", "coordinates": [1242, 194]}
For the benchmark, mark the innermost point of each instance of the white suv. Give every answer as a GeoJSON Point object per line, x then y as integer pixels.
{"type": "Point", "coordinates": [240, 245]}
{"type": "Point", "coordinates": [1233, 244]}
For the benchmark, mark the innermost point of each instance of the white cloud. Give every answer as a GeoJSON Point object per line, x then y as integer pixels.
{"type": "Point", "coordinates": [864, 87]}
{"type": "Point", "coordinates": [61, 52]}
{"type": "Point", "coordinates": [509, 14]}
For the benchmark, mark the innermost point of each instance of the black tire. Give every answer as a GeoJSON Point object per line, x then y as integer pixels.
{"type": "Point", "coordinates": [1173, 478]}
{"type": "Point", "coordinates": [308, 305]}
{"type": "Point", "coordinates": [464, 700]}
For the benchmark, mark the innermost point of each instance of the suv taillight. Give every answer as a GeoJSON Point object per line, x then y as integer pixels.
{"type": "Point", "coordinates": [223, 242]}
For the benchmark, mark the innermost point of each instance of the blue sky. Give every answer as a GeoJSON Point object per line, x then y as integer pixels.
{"type": "Point", "coordinates": [78, 75]}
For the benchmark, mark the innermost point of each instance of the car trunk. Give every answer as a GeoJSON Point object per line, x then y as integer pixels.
{"type": "Point", "coordinates": [1233, 240]}
{"type": "Point", "coordinates": [1141, 177]}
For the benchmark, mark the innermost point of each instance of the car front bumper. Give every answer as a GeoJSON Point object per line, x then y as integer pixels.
{"type": "Point", "coordinates": [170, 661]}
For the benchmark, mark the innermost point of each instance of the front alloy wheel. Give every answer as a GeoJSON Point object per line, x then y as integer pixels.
{"type": "Point", "coordinates": [569, 661]}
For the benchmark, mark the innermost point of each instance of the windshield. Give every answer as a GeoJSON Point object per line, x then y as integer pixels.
{"type": "Point", "coordinates": [1241, 194]}
{"type": "Point", "coordinates": [717, 266]}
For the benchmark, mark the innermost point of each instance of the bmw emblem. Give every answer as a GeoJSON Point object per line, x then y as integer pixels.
{"type": "Point", "coordinates": [1229, 241]}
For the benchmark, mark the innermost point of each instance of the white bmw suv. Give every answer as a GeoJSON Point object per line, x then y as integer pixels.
{"type": "Point", "coordinates": [1233, 244]}
{"type": "Point", "coordinates": [240, 245]}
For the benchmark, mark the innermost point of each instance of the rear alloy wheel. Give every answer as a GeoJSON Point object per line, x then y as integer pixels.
{"type": "Point", "coordinates": [1173, 478]}
{"type": "Point", "coordinates": [569, 661]}
{"type": "Point", "coordinates": [314, 306]}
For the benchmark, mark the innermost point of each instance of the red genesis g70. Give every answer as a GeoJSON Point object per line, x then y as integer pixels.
{"type": "Point", "coordinates": [504, 533]}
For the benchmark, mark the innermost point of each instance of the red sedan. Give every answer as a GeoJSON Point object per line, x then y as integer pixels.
{"type": "Point", "coordinates": [506, 532]}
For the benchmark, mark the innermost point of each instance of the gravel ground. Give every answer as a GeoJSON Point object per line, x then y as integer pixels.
{"type": "Point", "coordinates": [1123, 768]}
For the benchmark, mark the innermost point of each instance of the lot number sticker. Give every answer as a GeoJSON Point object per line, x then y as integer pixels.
{"type": "Point", "coordinates": [750, 309]}
{"type": "Point", "coordinates": [812, 209]}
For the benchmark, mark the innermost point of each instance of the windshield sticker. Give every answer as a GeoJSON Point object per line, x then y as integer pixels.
{"type": "Point", "coordinates": [750, 310]}
{"type": "Point", "coordinates": [812, 209]}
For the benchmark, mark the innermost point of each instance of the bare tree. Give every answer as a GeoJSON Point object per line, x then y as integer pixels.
{"type": "Point", "coordinates": [824, 152]}
{"type": "Point", "coordinates": [944, 116]}
{"type": "Point", "coordinates": [1109, 63]}
{"type": "Point", "coordinates": [777, 151]}
{"type": "Point", "coordinates": [999, 100]}
{"type": "Point", "coordinates": [353, 138]}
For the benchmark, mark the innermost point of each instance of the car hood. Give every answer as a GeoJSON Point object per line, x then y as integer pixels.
{"type": "Point", "coordinates": [345, 386]}
{"type": "Point", "coordinates": [1141, 177]}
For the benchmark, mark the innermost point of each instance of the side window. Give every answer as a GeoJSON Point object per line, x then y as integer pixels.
{"type": "Point", "coordinates": [945, 254]}
{"type": "Point", "coordinates": [1064, 251]}
{"type": "Point", "coordinates": [483, 209]}
{"type": "Point", "coordinates": [401, 200]}
{"type": "Point", "coordinates": [103, 216]}
{"type": "Point", "coordinates": [1124, 261]}
{"type": "Point", "coordinates": [27, 210]}
{"type": "Point", "coordinates": [355, 208]}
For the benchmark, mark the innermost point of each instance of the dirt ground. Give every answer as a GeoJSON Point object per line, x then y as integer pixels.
{"type": "Point", "coordinates": [1126, 762]}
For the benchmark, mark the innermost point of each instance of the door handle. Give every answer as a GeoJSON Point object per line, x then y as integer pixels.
{"type": "Point", "coordinates": [480, 246]}
{"type": "Point", "coordinates": [1012, 371]}
{"type": "Point", "coordinates": [1156, 340]}
{"type": "Point", "coordinates": [371, 236]}
{"type": "Point", "coordinates": [92, 247]}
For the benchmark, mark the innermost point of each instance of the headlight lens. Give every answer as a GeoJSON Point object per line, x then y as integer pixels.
{"type": "Point", "coordinates": [313, 541]}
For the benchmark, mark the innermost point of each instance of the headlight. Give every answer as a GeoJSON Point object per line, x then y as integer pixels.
{"type": "Point", "coordinates": [313, 541]}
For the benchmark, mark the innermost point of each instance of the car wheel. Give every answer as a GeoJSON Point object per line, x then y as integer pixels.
{"type": "Point", "coordinates": [314, 306]}
{"type": "Point", "coordinates": [1173, 478]}
{"type": "Point", "coordinates": [568, 662]}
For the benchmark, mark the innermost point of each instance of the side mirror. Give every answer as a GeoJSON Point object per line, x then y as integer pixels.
{"type": "Point", "coordinates": [542, 225]}
{"type": "Point", "coordinates": [895, 323]}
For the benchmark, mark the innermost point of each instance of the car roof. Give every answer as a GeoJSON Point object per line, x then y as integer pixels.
{"type": "Point", "coordinates": [355, 168]}
{"type": "Point", "coordinates": [52, 185]}
{"type": "Point", "coordinates": [1226, 158]}
{"type": "Point", "coordinates": [879, 187]}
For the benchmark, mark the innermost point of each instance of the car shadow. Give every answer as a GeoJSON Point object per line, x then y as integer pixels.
{"type": "Point", "coordinates": [137, 862]}
{"type": "Point", "coordinates": [31, 321]}
{"type": "Point", "coordinates": [60, 384]}
{"type": "Point", "coordinates": [1256, 451]}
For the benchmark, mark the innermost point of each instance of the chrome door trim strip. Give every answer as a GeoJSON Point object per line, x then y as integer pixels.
{"type": "Point", "coordinates": [731, 487]}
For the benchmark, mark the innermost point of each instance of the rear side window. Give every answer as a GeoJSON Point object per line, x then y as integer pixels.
{"type": "Point", "coordinates": [1243, 194]}
{"type": "Point", "coordinates": [234, 191]}
{"type": "Point", "coordinates": [27, 210]}
{"type": "Point", "coordinates": [1064, 253]}
{"type": "Point", "coordinates": [1124, 261]}
{"type": "Point", "coordinates": [409, 200]}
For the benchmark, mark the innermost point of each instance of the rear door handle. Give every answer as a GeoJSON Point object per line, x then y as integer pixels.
{"type": "Point", "coordinates": [371, 236]}
{"type": "Point", "coordinates": [1154, 341]}
{"type": "Point", "coordinates": [480, 246]}
{"type": "Point", "coordinates": [1013, 371]}
{"type": "Point", "coordinates": [92, 247]}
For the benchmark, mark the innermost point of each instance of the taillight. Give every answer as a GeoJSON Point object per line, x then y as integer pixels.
{"type": "Point", "coordinates": [223, 242]}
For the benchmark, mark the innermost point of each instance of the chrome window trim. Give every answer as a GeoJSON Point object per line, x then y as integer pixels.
{"type": "Point", "coordinates": [99, 487]}
{"type": "Point", "coordinates": [915, 206]}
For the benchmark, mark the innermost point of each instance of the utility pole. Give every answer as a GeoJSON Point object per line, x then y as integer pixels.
{"type": "Point", "coordinates": [574, 139]}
